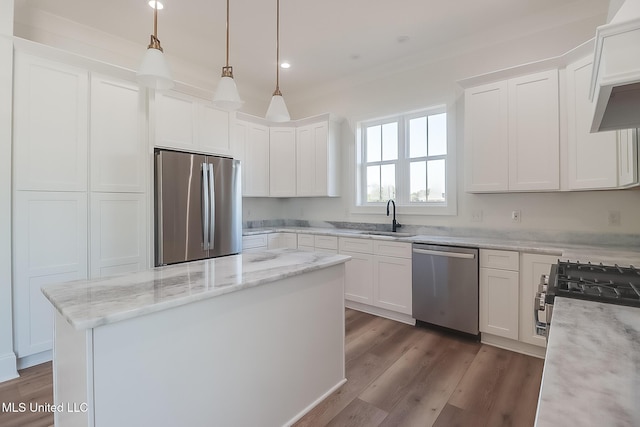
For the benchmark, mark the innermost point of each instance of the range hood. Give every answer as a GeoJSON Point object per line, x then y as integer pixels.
{"type": "Point", "coordinates": [615, 81]}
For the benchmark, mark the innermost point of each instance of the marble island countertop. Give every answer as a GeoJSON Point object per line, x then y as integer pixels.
{"type": "Point", "coordinates": [622, 255]}
{"type": "Point", "coordinates": [90, 303]}
{"type": "Point", "coordinates": [592, 367]}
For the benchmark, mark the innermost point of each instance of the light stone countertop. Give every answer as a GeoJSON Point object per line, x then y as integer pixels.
{"type": "Point", "coordinates": [592, 367]}
{"type": "Point", "coordinates": [90, 303]}
{"type": "Point", "coordinates": [623, 256]}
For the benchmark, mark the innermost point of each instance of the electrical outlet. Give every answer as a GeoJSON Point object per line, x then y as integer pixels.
{"type": "Point", "coordinates": [476, 216]}
{"type": "Point", "coordinates": [614, 218]}
{"type": "Point", "coordinates": [515, 215]}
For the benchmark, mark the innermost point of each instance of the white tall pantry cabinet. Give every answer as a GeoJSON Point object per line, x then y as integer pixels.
{"type": "Point", "coordinates": [80, 169]}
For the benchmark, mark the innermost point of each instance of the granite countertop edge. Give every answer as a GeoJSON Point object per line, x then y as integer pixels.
{"type": "Point", "coordinates": [67, 298]}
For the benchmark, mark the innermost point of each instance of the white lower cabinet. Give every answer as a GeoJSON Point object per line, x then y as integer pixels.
{"type": "Point", "coordinates": [532, 266]}
{"type": "Point", "coordinates": [254, 243]}
{"type": "Point", "coordinates": [358, 283]}
{"type": "Point", "coordinates": [50, 246]}
{"type": "Point", "coordinates": [378, 274]}
{"type": "Point", "coordinates": [499, 292]}
{"type": "Point", "coordinates": [282, 240]}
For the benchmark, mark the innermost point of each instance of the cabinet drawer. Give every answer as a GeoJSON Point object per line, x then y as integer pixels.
{"type": "Point", "coordinates": [326, 242]}
{"type": "Point", "coordinates": [502, 260]}
{"type": "Point", "coordinates": [305, 240]}
{"type": "Point", "coordinates": [364, 246]}
{"type": "Point", "coordinates": [394, 249]}
{"type": "Point", "coordinates": [252, 242]}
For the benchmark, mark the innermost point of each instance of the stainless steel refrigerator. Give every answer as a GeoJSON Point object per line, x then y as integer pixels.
{"type": "Point", "coordinates": [198, 207]}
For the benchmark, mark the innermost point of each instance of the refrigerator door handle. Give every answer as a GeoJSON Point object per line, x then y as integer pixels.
{"type": "Point", "coordinates": [205, 206]}
{"type": "Point", "coordinates": [212, 215]}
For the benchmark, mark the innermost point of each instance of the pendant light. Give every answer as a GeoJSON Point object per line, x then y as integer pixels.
{"type": "Point", "coordinates": [277, 111]}
{"type": "Point", "coordinates": [226, 95]}
{"type": "Point", "coordinates": [154, 72]}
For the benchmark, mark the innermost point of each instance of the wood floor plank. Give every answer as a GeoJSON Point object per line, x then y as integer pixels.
{"type": "Point", "coordinates": [34, 386]}
{"type": "Point", "coordinates": [431, 388]}
{"type": "Point", "coordinates": [358, 414]}
{"type": "Point", "coordinates": [477, 390]}
{"type": "Point", "coordinates": [390, 387]}
{"type": "Point", "coordinates": [377, 331]}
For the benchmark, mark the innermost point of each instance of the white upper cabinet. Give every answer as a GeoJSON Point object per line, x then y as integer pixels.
{"type": "Point", "coordinates": [628, 158]}
{"type": "Point", "coordinates": [252, 148]}
{"type": "Point", "coordinates": [592, 157]}
{"type": "Point", "coordinates": [486, 135]}
{"type": "Point", "coordinates": [534, 132]}
{"type": "Point", "coordinates": [213, 130]}
{"type": "Point", "coordinates": [188, 123]}
{"type": "Point", "coordinates": [282, 161]}
{"type": "Point", "coordinates": [316, 160]}
{"type": "Point", "coordinates": [50, 125]}
{"type": "Point", "coordinates": [118, 143]}
{"type": "Point", "coordinates": [512, 134]}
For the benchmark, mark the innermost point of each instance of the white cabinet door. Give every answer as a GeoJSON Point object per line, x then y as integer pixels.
{"type": "Point", "coordinates": [256, 161]}
{"type": "Point", "coordinates": [175, 120]}
{"type": "Point", "coordinates": [486, 136]}
{"type": "Point", "coordinates": [254, 243]}
{"type": "Point", "coordinates": [534, 132]}
{"type": "Point", "coordinates": [50, 246]}
{"type": "Point", "coordinates": [499, 302]}
{"type": "Point", "coordinates": [118, 145]}
{"type": "Point", "coordinates": [627, 157]}
{"type": "Point", "coordinates": [358, 280]}
{"type": "Point", "coordinates": [213, 131]}
{"type": "Point", "coordinates": [532, 267]}
{"type": "Point", "coordinates": [282, 162]}
{"type": "Point", "coordinates": [592, 161]}
{"type": "Point", "coordinates": [392, 283]}
{"type": "Point", "coordinates": [118, 233]}
{"type": "Point", "coordinates": [50, 125]}
{"type": "Point", "coordinates": [316, 163]}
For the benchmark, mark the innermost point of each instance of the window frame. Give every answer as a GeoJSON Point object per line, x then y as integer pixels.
{"type": "Point", "coordinates": [403, 196]}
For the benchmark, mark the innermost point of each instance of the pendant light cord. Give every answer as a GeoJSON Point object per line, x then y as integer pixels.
{"type": "Point", "coordinates": [227, 33]}
{"type": "Point", "coordinates": [277, 91]}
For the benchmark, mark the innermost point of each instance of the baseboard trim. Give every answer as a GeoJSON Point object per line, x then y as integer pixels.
{"type": "Point", "coordinates": [8, 367]}
{"type": "Point", "coordinates": [315, 403]}
{"type": "Point", "coordinates": [377, 311]}
{"type": "Point", "coordinates": [35, 359]}
{"type": "Point", "coordinates": [517, 346]}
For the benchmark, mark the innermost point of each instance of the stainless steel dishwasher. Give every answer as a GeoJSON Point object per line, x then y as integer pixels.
{"type": "Point", "coordinates": [445, 286]}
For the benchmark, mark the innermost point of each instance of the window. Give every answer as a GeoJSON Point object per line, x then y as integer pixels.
{"type": "Point", "coordinates": [405, 158]}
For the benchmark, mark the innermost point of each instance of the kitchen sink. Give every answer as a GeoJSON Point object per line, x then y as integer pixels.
{"type": "Point", "coordinates": [387, 233]}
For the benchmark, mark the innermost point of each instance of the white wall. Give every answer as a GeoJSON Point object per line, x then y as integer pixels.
{"type": "Point", "coordinates": [435, 83]}
{"type": "Point", "coordinates": [7, 357]}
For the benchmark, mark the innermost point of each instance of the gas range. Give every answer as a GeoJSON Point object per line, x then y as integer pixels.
{"type": "Point", "coordinates": [593, 282]}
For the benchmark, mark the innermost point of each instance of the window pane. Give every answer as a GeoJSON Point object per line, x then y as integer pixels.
{"type": "Point", "coordinates": [373, 184]}
{"type": "Point", "coordinates": [418, 185]}
{"type": "Point", "coordinates": [418, 137]}
{"type": "Point", "coordinates": [390, 141]}
{"type": "Point", "coordinates": [373, 143]}
{"type": "Point", "coordinates": [436, 181]}
{"type": "Point", "coordinates": [438, 134]}
{"type": "Point", "coordinates": [388, 178]}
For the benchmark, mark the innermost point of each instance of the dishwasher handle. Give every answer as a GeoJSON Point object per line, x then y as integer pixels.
{"type": "Point", "coordinates": [444, 253]}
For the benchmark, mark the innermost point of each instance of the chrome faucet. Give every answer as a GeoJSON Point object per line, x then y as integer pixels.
{"type": "Point", "coordinates": [394, 224]}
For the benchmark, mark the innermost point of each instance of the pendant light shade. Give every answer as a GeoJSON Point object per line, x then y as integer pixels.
{"type": "Point", "coordinates": [277, 111]}
{"type": "Point", "coordinates": [154, 71]}
{"type": "Point", "coordinates": [226, 95]}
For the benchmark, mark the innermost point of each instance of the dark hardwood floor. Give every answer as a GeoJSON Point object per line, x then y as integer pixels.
{"type": "Point", "coordinates": [398, 375]}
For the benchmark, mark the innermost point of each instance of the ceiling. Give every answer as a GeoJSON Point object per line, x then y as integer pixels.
{"type": "Point", "coordinates": [323, 40]}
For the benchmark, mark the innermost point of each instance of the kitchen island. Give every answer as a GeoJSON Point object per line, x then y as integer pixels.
{"type": "Point", "coordinates": [592, 369]}
{"type": "Point", "coordinates": [245, 340]}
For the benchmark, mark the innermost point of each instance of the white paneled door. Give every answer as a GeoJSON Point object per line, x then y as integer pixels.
{"type": "Point", "coordinates": [50, 246]}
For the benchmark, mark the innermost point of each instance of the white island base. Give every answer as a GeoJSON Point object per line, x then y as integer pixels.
{"type": "Point", "coordinates": [263, 356]}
